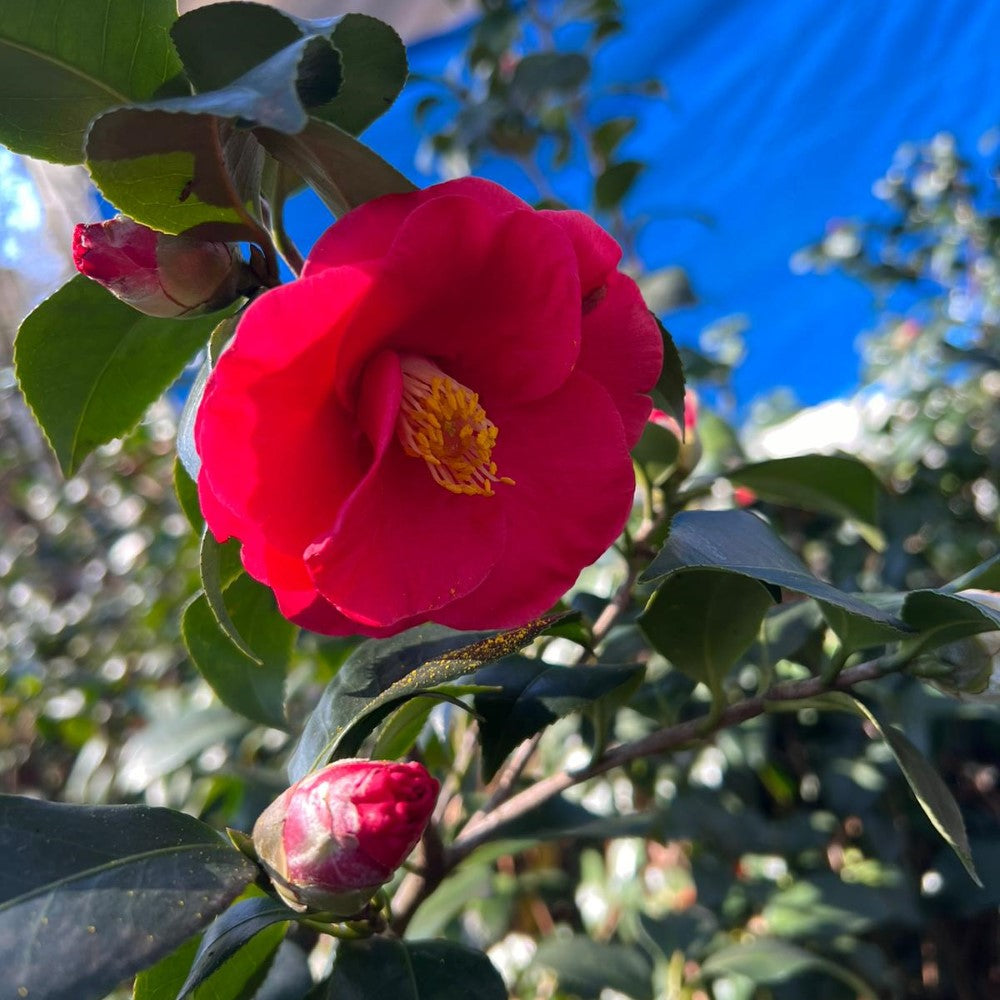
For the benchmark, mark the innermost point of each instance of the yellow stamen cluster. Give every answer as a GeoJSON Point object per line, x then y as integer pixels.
{"type": "Point", "coordinates": [441, 421]}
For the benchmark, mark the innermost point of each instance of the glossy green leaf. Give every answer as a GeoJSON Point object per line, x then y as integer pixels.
{"type": "Point", "coordinates": [224, 41]}
{"type": "Point", "coordinates": [381, 673]}
{"type": "Point", "coordinates": [218, 569]}
{"type": "Point", "coordinates": [382, 967]}
{"type": "Point", "coordinates": [375, 70]}
{"type": "Point", "coordinates": [586, 968]}
{"type": "Point", "coordinates": [668, 393]}
{"type": "Point", "coordinates": [178, 170]}
{"type": "Point", "coordinates": [656, 451]}
{"type": "Point", "coordinates": [704, 620]}
{"type": "Point", "coordinates": [930, 790]}
{"type": "Point", "coordinates": [985, 576]}
{"type": "Point", "coordinates": [64, 61]}
{"type": "Point", "coordinates": [736, 541]}
{"type": "Point", "coordinates": [253, 688]}
{"type": "Point", "coordinates": [221, 42]}
{"type": "Point", "coordinates": [831, 484]}
{"type": "Point", "coordinates": [99, 893]}
{"type": "Point", "coordinates": [769, 961]}
{"type": "Point", "coordinates": [856, 632]}
{"type": "Point", "coordinates": [400, 730]}
{"type": "Point", "coordinates": [941, 617]}
{"type": "Point", "coordinates": [186, 490]}
{"type": "Point", "coordinates": [343, 172]}
{"type": "Point", "coordinates": [529, 695]}
{"type": "Point", "coordinates": [231, 932]}
{"type": "Point", "coordinates": [89, 365]}
{"type": "Point", "coordinates": [187, 454]}
{"type": "Point", "coordinates": [232, 981]}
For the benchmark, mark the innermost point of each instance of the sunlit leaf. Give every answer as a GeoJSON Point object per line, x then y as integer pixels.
{"type": "Point", "coordinates": [703, 620]}
{"type": "Point", "coordinates": [64, 61]}
{"type": "Point", "coordinates": [89, 365]}
{"type": "Point", "coordinates": [382, 673]}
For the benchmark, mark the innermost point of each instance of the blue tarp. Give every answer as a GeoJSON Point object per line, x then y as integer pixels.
{"type": "Point", "coordinates": [781, 114]}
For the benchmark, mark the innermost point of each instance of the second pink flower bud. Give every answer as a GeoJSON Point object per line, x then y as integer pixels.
{"type": "Point", "coordinates": [160, 275]}
{"type": "Point", "coordinates": [333, 838]}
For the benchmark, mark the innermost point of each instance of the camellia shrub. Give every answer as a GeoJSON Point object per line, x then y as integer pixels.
{"type": "Point", "coordinates": [467, 570]}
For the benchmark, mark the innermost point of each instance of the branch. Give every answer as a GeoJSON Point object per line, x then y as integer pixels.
{"type": "Point", "coordinates": [657, 743]}
{"type": "Point", "coordinates": [483, 825]}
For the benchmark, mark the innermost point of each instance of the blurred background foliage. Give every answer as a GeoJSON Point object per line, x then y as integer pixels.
{"type": "Point", "coordinates": [785, 860]}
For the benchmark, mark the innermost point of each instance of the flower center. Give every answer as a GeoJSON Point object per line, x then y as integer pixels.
{"type": "Point", "coordinates": [440, 420]}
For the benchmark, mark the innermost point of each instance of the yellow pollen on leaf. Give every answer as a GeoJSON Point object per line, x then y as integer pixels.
{"type": "Point", "coordinates": [441, 421]}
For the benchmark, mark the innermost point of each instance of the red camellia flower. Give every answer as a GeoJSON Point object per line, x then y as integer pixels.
{"type": "Point", "coordinates": [433, 422]}
{"type": "Point", "coordinates": [160, 275]}
{"type": "Point", "coordinates": [333, 838]}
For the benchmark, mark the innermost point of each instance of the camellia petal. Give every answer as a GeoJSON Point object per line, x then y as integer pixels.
{"type": "Point", "coordinates": [368, 231]}
{"type": "Point", "coordinates": [559, 446]}
{"type": "Point", "coordinates": [277, 388]}
{"type": "Point", "coordinates": [492, 300]}
{"type": "Point", "coordinates": [620, 308]}
{"type": "Point", "coordinates": [597, 254]}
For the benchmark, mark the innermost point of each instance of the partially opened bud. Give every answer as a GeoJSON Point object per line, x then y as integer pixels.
{"type": "Point", "coordinates": [333, 838]}
{"type": "Point", "coordinates": [690, 443]}
{"type": "Point", "coordinates": [160, 275]}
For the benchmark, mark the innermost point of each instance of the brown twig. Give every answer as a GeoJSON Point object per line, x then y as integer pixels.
{"type": "Point", "coordinates": [485, 823]}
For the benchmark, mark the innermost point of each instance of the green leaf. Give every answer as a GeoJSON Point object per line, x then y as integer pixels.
{"type": "Point", "coordinates": [529, 695]}
{"type": "Point", "coordinates": [344, 172]}
{"type": "Point", "coordinates": [400, 730]}
{"type": "Point", "coordinates": [99, 893]}
{"type": "Point", "coordinates": [736, 541]}
{"type": "Point", "coordinates": [380, 967]}
{"type": "Point", "coordinates": [187, 454]}
{"type": "Point", "coordinates": [64, 61]}
{"type": "Point", "coordinates": [703, 620]}
{"type": "Point", "coordinates": [608, 135]}
{"type": "Point", "coordinates": [768, 961]}
{"type": "Point", "coordinates": [381, 673]}
{"type": "Point", "coordinates": [545, 71]}
{"type": "Point", "coordinates": [930, 790]}
{"type": "Point", "coordinates": [585, 968]}
{"type": "Point", "coordinates": [941, 617]}
{"type": "Point", "coordinates": [830, 484]}
{"type": "Point", "coordinates": [231, 932]}
{"type": "Point", "coordinates": [232, 981]}
{"type": "Point", "coordinates": [186, 490]}
{"type": "Point", "coordinates": [856, 633]}
{"type": "Point", "coordinates": [656, 451]}
{"type": "Point", "coordinates": [668, 393]}
{"type": "Point", "coordinates": [254, 689]}
{"type": "Point", "coordinates": [89, 365]}
{"type": "Point", "coordinates": [178, 170]}
{"type": "Point", "coordinates": [375, 70]}
{"type": "Point", "coordinates": [985, 576]}
{"type": "Point", "coordinates": [223, 42]}
{"type": "Point", "coordinates": [217, 572]}
{"type": "Point", "coordinates": [614, 183]}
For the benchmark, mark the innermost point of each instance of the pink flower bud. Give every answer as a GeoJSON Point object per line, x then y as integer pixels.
{"type": "Point", "coordinates": [690, 451]}
{"type": "Point", "coordinates": [160, 275]}
{"type": "Point", "coordinates": [333, 838]}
